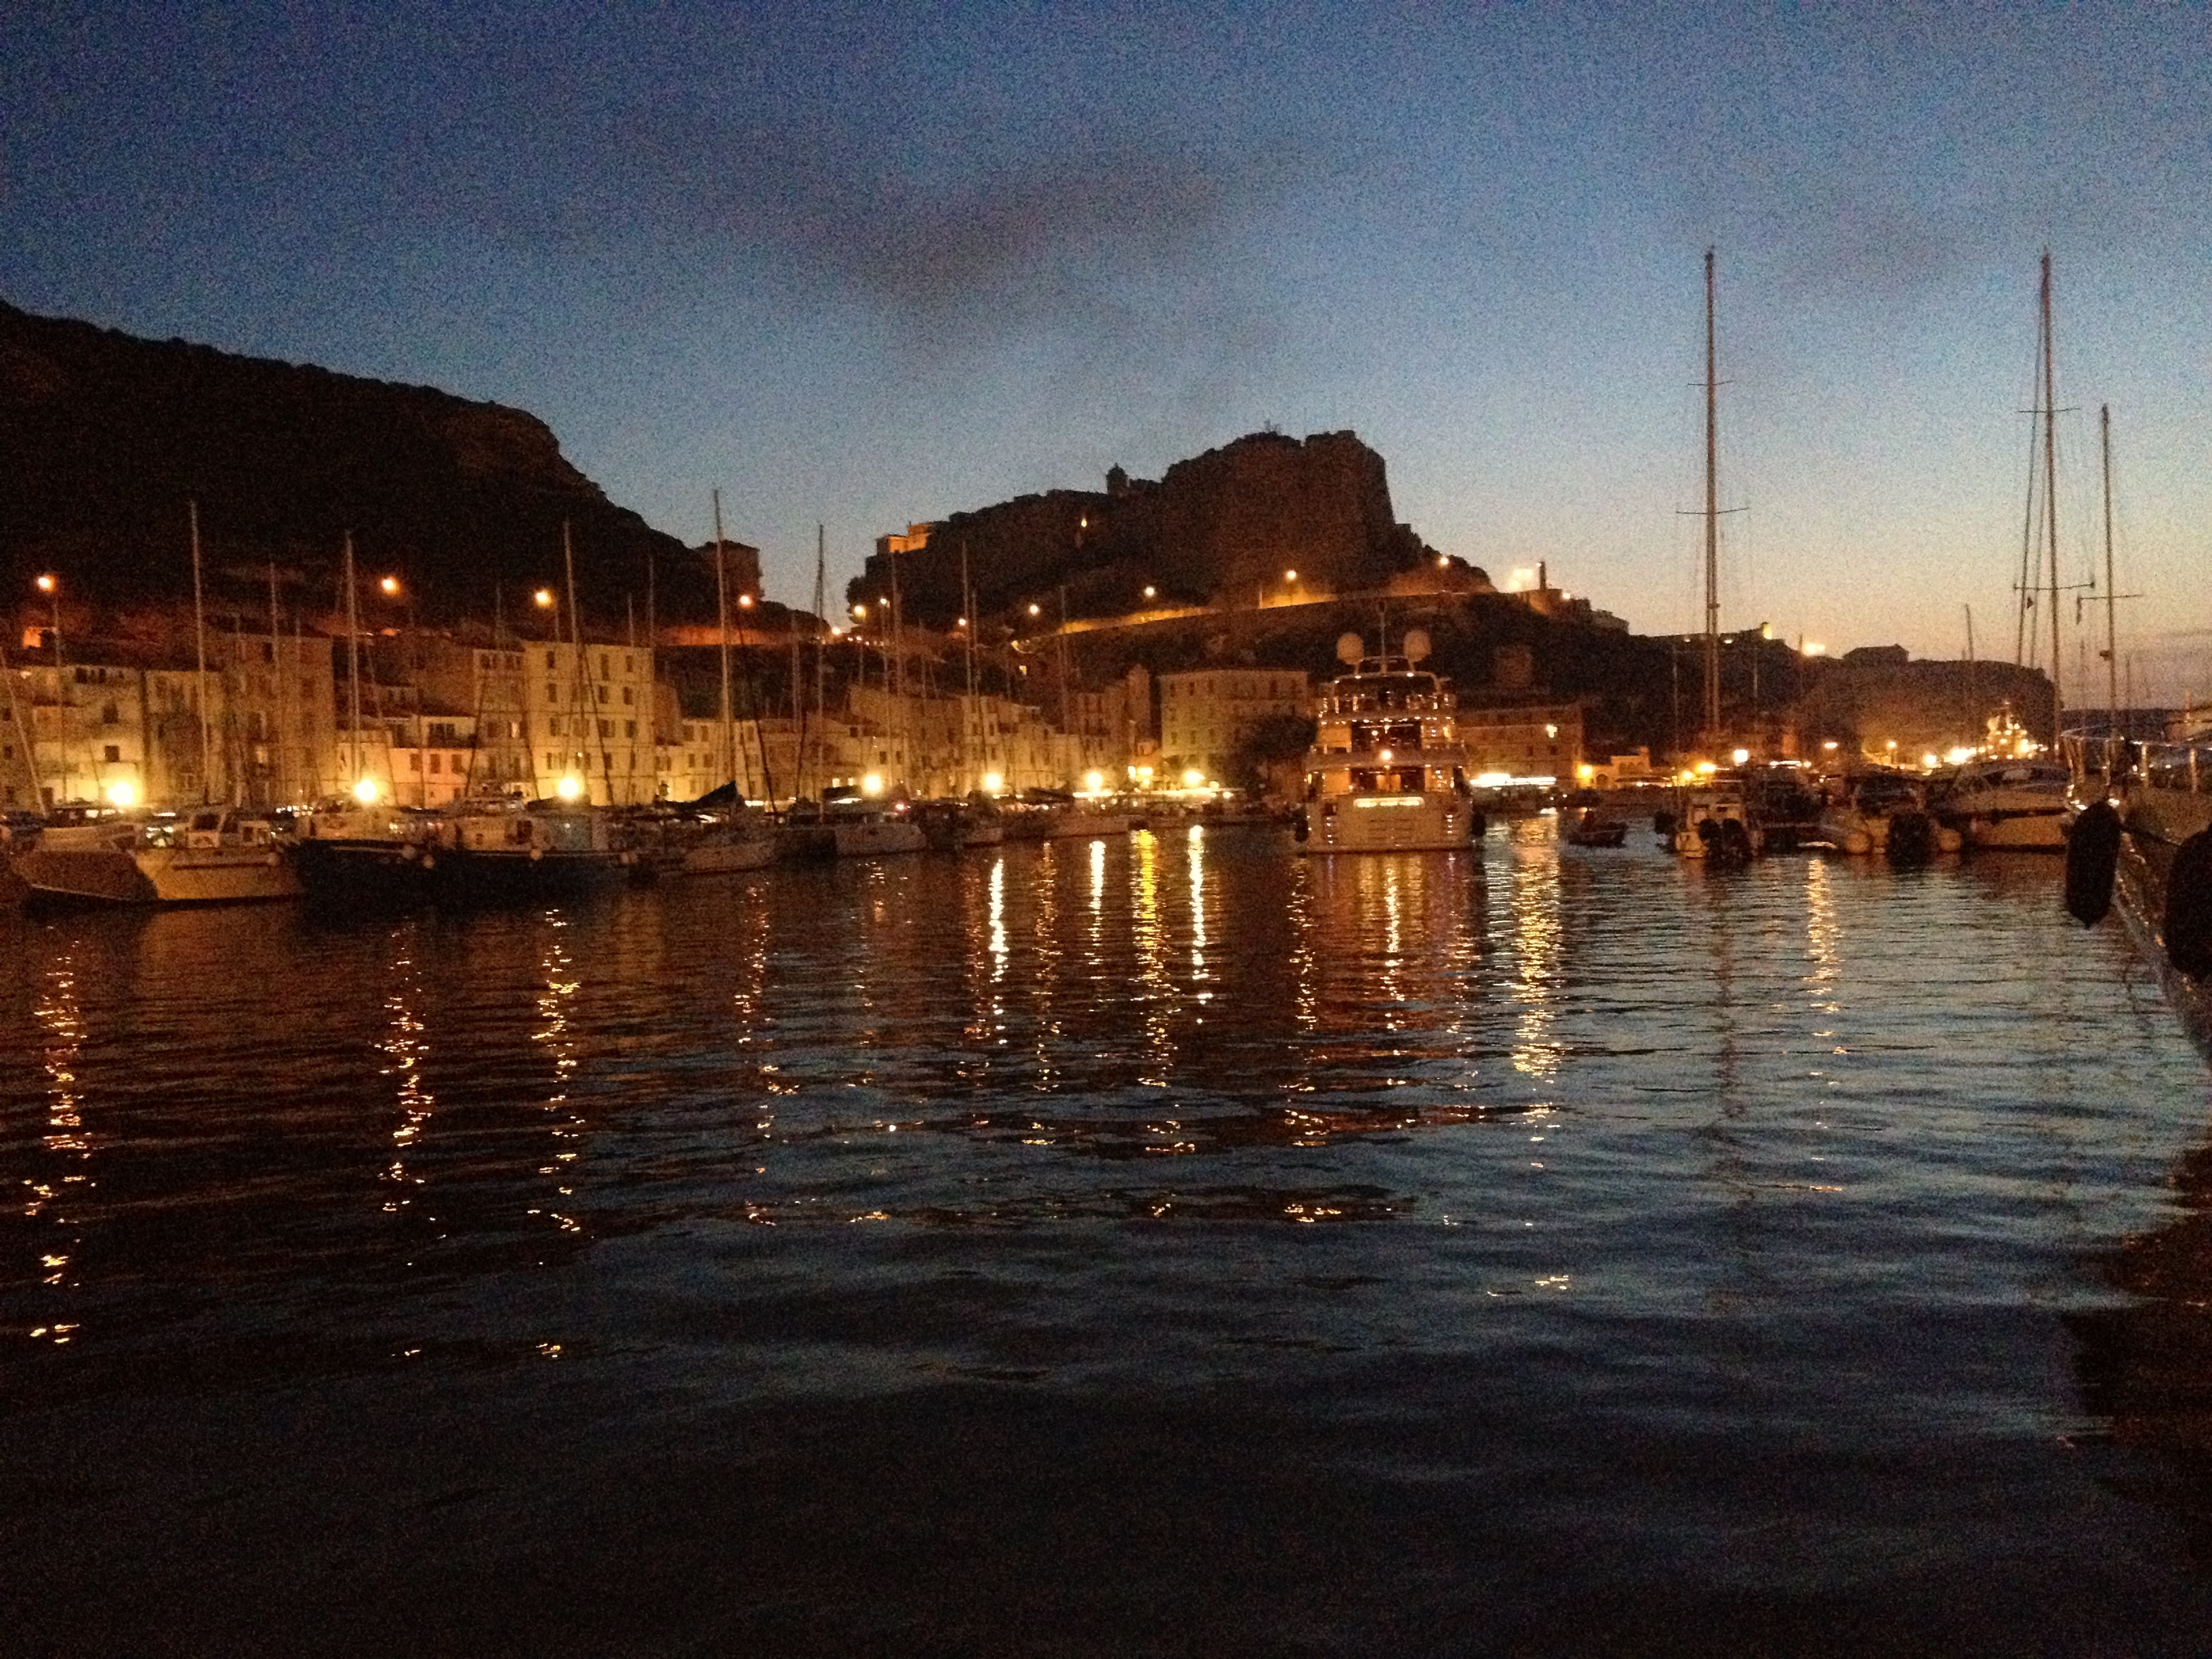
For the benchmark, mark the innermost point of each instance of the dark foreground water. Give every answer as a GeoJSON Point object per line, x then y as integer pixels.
{"type": "Point", "coordinates": [1158, 1246]}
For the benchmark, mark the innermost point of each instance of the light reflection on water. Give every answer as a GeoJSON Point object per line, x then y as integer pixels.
{"type": "Point", "coordinates": [1793, 1166]}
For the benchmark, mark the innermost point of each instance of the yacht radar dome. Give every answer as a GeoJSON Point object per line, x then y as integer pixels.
{"type": "Point", "coordinates": [1350, 649]}
{"type": "Point", "coordinates": [1417, 644]}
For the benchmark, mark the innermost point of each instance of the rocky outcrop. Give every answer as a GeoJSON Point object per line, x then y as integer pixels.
{"type": "Point", "coordinates": [1222, 527]}
{"type": "Point", "coordinates": [105, 438]}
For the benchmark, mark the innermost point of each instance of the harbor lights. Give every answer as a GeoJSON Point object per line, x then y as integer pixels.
{"type": "Point", "coordinates": [48, 582]}
{"type": "Point", "coordinates": [1385, 756]}
{"type": "Point", "coordinates": [872, 784]}
{"type": "Point", "coordinates": [1193, 778]}
{"type": "Point", "coordinates": [364, 790]}
{"type": "Point", "coordinates": [1095, 783]}
{"type": "Point", "coordinates": [122, 793]}
{"type": "Point", "coordinates": [994, 783]}
{"type": "Point", "coordinates": [570, 787]}
{"type": "Point", "coordinates": [859, 613]}
{"type": "Point", "coordinates": [1036, 611]}
{"type": "Point", "coordinates": [1151, 593]}
{"type": "Point", "coordinates": [745, 601]}
{"type": "Point", "coordinates": [1740, 756]}
{"type": "Point", "coordinates": [389, 587]}
{"type": "Point", "coordinates": [1290, 575]}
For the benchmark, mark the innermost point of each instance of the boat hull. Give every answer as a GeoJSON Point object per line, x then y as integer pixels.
{"type": "Point", "coordinates": [722, 858]}
{"type": "Point", "coordinates": [158, 875]}
{"type": "Point", "coordinates": [1388, 823]}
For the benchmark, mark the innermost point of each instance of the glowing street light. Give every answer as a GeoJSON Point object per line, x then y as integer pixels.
{"type": "Point", "coordinates": [569, 787]}
{"type": "Point", "coordinates": [1035, 611]}
{"type": "Point", "coordinates": [1193, 778]}
{"type": "Point", "coordinates": [859, 613]}
{"type": "Point", "coordinates": [49, 583]}
{"type": "Point", "coordinates": [365, 792]}
{"type": "Point", "coordinates": [390, 587]}
{"type": "Point", "coordinates": [1095, 783]}
{"type": "Point", "coordinates": [872, 784]}
{"type": "Point", "coordinates": [1151, 593]}
{"type": "Point", "coordinates": [1290, 575]}
{"type": "Point", "coordinates": [542, 598]}
{"type": "Point", "coordinates": [1740, 755]}
{"type": "Point", "coordinates": [993, 783]}
{"type": "Point", "coordinates": [122, 793]}
{"type": "Point", "coordinates": [745, 601]}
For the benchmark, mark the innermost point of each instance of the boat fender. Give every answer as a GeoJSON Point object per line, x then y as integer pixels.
{"type": "Point", "coordinates": [1707, 831]}
{"type": "Point", "coordinates": [2189, 907]}
{"type": "Point", "coordinates": [407, 854]}
{"type": "Point", "coordinates": [430, 860]}
{"type": "Point", "coordinates": [2093, 853]}
{"type": "Point", "coordinates": [536, 853]}
{"type": "Point", "coordinates": [1298, 830]}
{"type": "Point", "coordinates": [1477, 826]}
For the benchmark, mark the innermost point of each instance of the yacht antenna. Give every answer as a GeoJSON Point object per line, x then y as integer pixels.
{"type": "Point", "coordinates": [2111, 594]}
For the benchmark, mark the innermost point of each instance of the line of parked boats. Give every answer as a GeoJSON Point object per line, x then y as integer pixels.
{"type": "Point", "coordinates": [490, 852]}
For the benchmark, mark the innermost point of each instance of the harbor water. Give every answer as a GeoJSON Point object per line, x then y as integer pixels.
{"type": "Point", "coordinates": [1163, 1244]}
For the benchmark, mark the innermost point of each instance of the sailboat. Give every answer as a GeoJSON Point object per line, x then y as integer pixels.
{"type": "Point", "coordinates": [1715, 821]}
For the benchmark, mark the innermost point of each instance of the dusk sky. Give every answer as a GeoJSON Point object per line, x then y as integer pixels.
{"type": "Point", "coordinates": [871, 264]}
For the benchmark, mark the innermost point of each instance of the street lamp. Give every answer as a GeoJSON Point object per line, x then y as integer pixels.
{"type": "Point", "coordinates": [1035, 611]}
{"type": "Point", "coordinates": [390, 587]}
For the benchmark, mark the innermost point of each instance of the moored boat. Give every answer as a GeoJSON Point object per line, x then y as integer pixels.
{"type": "Point", "coordinates": [210, 855]}
{"type": "Point", "coordinates": [2013, 804]}
{"type": "Point", "coordinates": [2144, 837]}
{"type": "Point", "coordinates": [1387, 772]}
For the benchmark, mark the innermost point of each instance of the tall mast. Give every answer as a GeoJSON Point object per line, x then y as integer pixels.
{"type": "Point", "coordinates": [199, 640]}
{"type": "Point", "coordinates": [576, 644]}
{"type": "Point", "coordinates": [2112, 592]}
{"type": "Point", "coordinates": [1712, 522]}
{"type": "Point", "coordinates": [2051, 488]}
{"type": "Point", "coordinates": [2023, 628]}
{"type": "Point", "coordinates": [353, 662]}
{"type": "Point", "coordinates": [821, 667]}
{"type": "Point", "coordinates": [729, 767]}
{"type": "Point", "coordinates": [277, 663]}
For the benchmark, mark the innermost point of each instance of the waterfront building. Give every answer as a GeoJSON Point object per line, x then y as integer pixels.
{"type": "Point", "coordinates": [1205, 714]}
{"type": "Point", "coordinates": [1532, 742]}
{"type": "Point", "coordinates": [126, 725]}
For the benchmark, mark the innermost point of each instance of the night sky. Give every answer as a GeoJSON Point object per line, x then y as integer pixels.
{"type": "Point", "coordinates": [877, 263]}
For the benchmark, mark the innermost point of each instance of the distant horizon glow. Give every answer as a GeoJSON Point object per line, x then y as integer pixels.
{"type": "Point", "coordinates": [709, 250]}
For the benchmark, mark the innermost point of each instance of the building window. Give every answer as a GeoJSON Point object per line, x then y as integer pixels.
{"type": "Point", "coordinates": [549, 662]}
{"type": "Point", "coordinates": [112, 755]}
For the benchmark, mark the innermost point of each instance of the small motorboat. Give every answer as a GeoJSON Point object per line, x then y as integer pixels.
{"type": "Point", "coordinates": [1591, 829]}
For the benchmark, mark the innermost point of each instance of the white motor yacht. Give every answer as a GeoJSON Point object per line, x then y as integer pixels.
{"type": "Point", "coordinates": [1387, 772]}
{"type": "Point", "coordinates": [2005, 804]}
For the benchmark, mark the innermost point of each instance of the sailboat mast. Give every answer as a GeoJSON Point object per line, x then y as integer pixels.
{"type": "Point", "coordinates": [2051, 489]}
{"type": "Point", "coordinates": [276, 664]}
{"type": "Point", "coordinates": [199, 640]}
{"type": "Point", "coordinates": [353, 662]}
{"type": "Point", "coordinates": [2112, 593]}
{"type": "Point", "coordinates": [576, 644]}
{"type": "Point", "coordinates": [729, 767]}
{"type": "Point", "coordinates": [821, 667]}
{"type": "Point", "coordinates": [1712, 521]}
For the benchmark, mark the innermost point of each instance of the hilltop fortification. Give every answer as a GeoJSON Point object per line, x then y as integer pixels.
{"type": "Point", "coordinates": [1222, 527]}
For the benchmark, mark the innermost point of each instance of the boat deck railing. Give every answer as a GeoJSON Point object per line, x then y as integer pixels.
{"type": "Point", "coordinates": [2184, 765]}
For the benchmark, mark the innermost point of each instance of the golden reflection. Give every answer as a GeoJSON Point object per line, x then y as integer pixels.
{"type": "Point", "coordinates": [1822, 936]}
{"type": "Point", "coordinates": [1044, 979]}
{"type": "Point", "coordinates": [1148, 936]}
{"type": "Point", "coordinates": [405, 1050]}
{"type": "Point", "coordinates": [1196, 841]}
{"type": "Point", "coordinates": [561, 985]}
{"type": "Point", "coordinates": [1534, 909]}
{"type": "Point", "coordinates": [60, 1013]}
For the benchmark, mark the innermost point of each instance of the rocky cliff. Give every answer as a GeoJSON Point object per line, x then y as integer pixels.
{"type": "Point", "coordinates": [1218, 528]}
{"type": "Point", "coordinates": [104, 438]}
